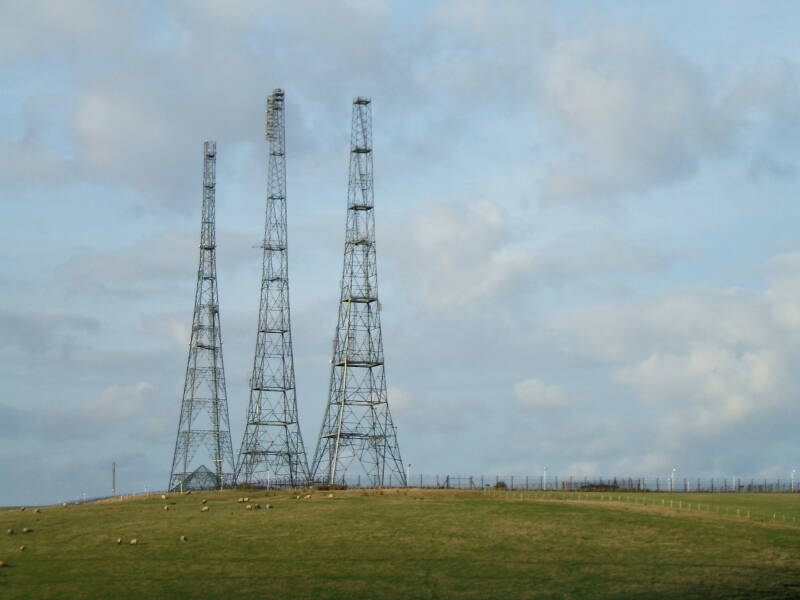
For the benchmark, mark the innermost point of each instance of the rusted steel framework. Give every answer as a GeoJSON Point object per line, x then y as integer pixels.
{"type": "Point", "coordinates": [203, 457]}
{"type": "Point", "coordinates": [272, 451]}
{"type": "Point", "coordinates": [357, 435]}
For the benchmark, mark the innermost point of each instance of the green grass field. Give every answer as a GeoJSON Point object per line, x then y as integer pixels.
{"type": "Point", "coordinates": [408, 544]}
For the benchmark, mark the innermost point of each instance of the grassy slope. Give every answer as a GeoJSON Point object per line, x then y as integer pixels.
{"type": "Point", "coordinates": [415, 544]}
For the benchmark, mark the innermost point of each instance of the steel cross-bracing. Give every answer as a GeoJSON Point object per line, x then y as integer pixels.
{"type": "Point", "coordinates": [272, 451]}
{"type": "Point", "coordinates": [203, 457]}
{"type": "Point", "coordinates": [357, 435]}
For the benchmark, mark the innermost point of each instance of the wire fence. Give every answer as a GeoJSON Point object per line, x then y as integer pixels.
{"type": "Point", "coordinates": [542, 483]}
{"type": "Point", "coordinates": [570, 483]}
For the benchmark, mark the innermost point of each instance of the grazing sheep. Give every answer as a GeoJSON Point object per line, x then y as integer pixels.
{"type": "Point", "coordinates": [204, 509]}
{"type": "Point", "coordinates": [22, 548]}
{"type": "Point", "coordinates": [246, 499]}
{"type": "Point", "coordinates": [37, 510]}
{"type": "Point", "coordinates": [163, 496]}
{"type": "Point", "coordinates": [2, 564]}
{"type": "Point", "coordinates": [248, 507]}
{"type": "Point", "coordinates": [330, 495]}
{"type": "Point", "coordinates": [166, 507]}
{"type": "Point", "coordinates": [204, 501]}
{"type": "Point", "coordinates": [269, 505]}
{"type": "Point", "coordinates": [184, 538]}
{"type": "Point", "coordinates": [27, 530]}
{"type": "Point", "coordinates": [134, 542]}
{"type": "Point", "coordinates": [257, 507]}
{"type": "Point", "coordinates": [307, 496]}
{"type": "Point", "coordinates": [119, 541]}
{"type": "Point", "coordinates": [22, 508]}
{"type": "Point", "coordinates": [297, 497]}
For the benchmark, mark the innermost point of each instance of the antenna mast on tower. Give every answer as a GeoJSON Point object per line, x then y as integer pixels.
{"type": "Point", "coordinates": [203, 457]}
{"type": "Point", "coordinates": [357, 426]}
{"type": "Point", "coordinates": [272, 451]}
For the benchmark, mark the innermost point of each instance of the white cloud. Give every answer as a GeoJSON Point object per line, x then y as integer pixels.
{"type": "Point", "coordinates": [462, 256]}
{"type": "Point", "coordinates": [533, 393]}
{"type": "Point", "coordinates": [640, 114]}
{"type": "Point", "coordinates": [705, 362]}
{"type": "Point", "coordinates": [119, 403]}
{"type": "Point", "coordinates": [710, 388]}
{"type": "Point", "coordinates": [58, 30]}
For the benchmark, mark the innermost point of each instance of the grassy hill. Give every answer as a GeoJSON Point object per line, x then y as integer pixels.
{"type": "Point", "coordinates": [408, 544]}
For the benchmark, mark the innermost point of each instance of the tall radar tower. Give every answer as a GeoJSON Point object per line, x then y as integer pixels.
{"type": "Point", "coordinates": [203, 457]}
{"type": "Point", "coordinates": [357, 435]}
{"type": "Point", "coordinates": [272, 451]}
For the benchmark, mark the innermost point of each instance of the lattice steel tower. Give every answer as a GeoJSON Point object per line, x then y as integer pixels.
{"type": "Point", "coordinates": [203, 457]}
{"type": "Point", "coordinates": [272, 451]}
{"type": "Point", "coordinates": [357, 426]}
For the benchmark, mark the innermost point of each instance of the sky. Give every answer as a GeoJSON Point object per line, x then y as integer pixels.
{"type": "Point", "coordinates": [588, 231]}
